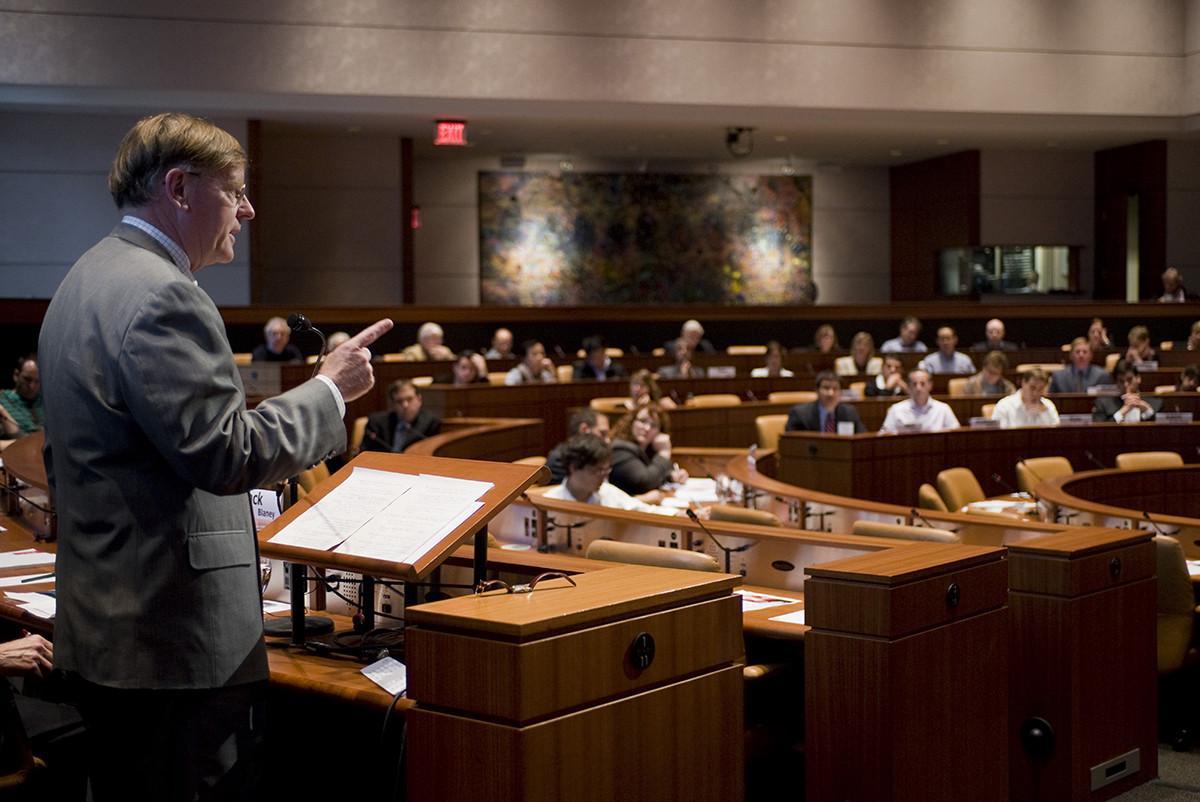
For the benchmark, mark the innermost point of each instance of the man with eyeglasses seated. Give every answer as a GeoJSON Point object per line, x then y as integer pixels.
{"type": "Point", "coordinates": [587, 460]}
{"type": "Point", "coordinates": [278, 346]}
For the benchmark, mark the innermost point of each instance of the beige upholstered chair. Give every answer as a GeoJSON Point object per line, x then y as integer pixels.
{"type": "Point", "coordinates": [902, 532]}
{"type": "Point", "coordinates": [242, 358]}
{"type": "Point", "coordinates": [1175, 631]}
{"type": "Point", "coordinates": [746, 350]}
{"type": "Point", "coordinates": [313, 476]}
{"type": "Point", "coordinates": [618, 552]}
{"type": "Point", "coordinates": [497, 376]}
{"type": "Point", "coordinates": [1164, 388]}
{"type": "Point", "coordinates": [1049, 367]}
{"type": "Point", "coordinates": [1138, 460]}
{"type": "Point", "coordinates": [564, 373]}
{"type": "Point", "coordinates": [714, 400]}
{"type": "Point", "coordinates": [792, 396]}
{"type": "Point", "coordinates": [421, 381]}
{"type": "Point", "coordinates": [610, 404]}
{"type": "Point", "coordinates": [987, 409]}
{"type": "Point", "coordinates": [769, 427]}
{"type": "Point", "coordinates": [858, 388]}
{"type": "Point", "coordinates": [958, 488]}
{"type": "Point", "coordinates": [1037, 469]}
{"type": "Point", "coordinates": [1110, 361]}
{"type": "Point", "coordinates": [929, 499]}
{"type": "Point", "coordinates": [357, 432]}
{"type": "Point", "coordinates": [394, 356]}
{"type": "Point", "coordinates": [958, 386]}
{"type": "Point", "coordinates": [742, 515]}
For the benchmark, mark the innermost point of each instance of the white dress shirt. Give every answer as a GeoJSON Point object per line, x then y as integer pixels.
{"type": "Point", "coordinates": [933, 417]}
{"type": "Point", "coordinates": [1011, 412]}
{"type": "Point", "coordinates": [609, 495]}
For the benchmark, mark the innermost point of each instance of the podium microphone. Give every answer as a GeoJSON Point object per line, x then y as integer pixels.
{"type": "Point", "coordinates": [298, 322]}
{"type": "Point", "coordinates": [725, 549]}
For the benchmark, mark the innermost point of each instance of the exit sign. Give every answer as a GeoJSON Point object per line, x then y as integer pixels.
{"type": "Point", "coordinates": [451, 132]}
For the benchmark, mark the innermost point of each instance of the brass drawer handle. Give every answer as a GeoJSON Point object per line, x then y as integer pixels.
{"type": "Point", "coordinates": [952, 595]}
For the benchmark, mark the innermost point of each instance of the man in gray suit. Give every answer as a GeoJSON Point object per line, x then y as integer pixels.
{"type": "Point", "coordinates": [149, 451]}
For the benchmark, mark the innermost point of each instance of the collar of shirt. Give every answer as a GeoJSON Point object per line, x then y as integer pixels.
{"type": "Point", "coordinates": [177, 254]}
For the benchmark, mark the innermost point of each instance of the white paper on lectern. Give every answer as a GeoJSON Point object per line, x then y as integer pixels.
{"type": "Point", "coordinates": [345, 509]}
{"type": "Point", "coordinates": [15, 559]}
{"type": "Point", "coordinates": [470, 489]}
{"type": "Point", "coordinates": [409, 527]}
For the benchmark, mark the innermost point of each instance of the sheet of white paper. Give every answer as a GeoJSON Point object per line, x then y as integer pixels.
{"type": "Point", "coordinates": [18, 581]}
{"type": "Point", "coordinates": [757, 601]}
{"type": "Point", "coordinates": [275, 606]}
{"type": "Point", "coordinates": [698, 490]}
{"type": "Point", "coordinates": [791, 618]}
{"type": "Point", "coordinates": [1193, 567]}
{"type": "Point", "coordinates": [39, 604]}
{"type": "Point", "coordinates": [470, 489]}
{"type": "Point", "coordinates": [389, 674]}
{"type": "Point", "coordinates": [15, 559]}
{"type": "Point", "coordinates": [345, 508]}
{"type": "Point", "coordinates": [407, 528]}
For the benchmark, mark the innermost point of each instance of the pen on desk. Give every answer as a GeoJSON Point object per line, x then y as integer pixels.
{"type": "Point", "coordinates": [38, 578]}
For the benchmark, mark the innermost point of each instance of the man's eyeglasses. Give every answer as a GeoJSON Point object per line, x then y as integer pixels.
{"type": "Point", "coordinates": [239, 194]}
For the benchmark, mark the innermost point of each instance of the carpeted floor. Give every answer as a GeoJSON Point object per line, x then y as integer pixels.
{"type": "Point", "coordinates": [1178, 779]}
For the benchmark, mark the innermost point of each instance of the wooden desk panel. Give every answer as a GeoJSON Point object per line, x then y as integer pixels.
{"type": "Point", "coordinates": [889, 468]}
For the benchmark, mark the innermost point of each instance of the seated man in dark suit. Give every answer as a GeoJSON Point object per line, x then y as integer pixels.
{"type": "Point", "coordinates": [1129, 407]}
{"type": "Point", "coordinates": [596, 364]}
{"type": "Point", "coordinates": [824, 414]}
{"type": "Point", "coordinates": [404, 424]}
{"type": "Point", "coordinates": [1081, 373]}
{"type": "Point", "coordinates": [584, 421]}
{"type": "Point", "coordinates": [277, 347]}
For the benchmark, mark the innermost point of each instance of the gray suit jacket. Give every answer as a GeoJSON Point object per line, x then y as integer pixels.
{"type": "Point", "coordinates": [148, 447]}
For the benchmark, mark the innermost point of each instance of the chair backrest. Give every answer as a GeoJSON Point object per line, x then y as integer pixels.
{"type": "Point", "coordinates": [1176, 610]}
{"type": "Point", "coordinates": [610, 403]}
{"type": "Point", "coordinates": [242, 358]}
{"type": "Point", "coordinates": [714, 400]}
{"type": "Point", "coordinates": [618, 552]}
{"type": "Point", "coordinates": [1049, 367]}
{"type": "Point", "coordinates": [313, 476]}
{"type": "Point", "coordinates": [1166, 345]}
{"type": "Point", "coordinates": [497, 377]}
{"type": "Point", "coordinates": [958, 386]}
{"type": "Point", "coordinates": [1135, 460]}
{"type": "Point", "coordinates": [858, 388]}
{"type": "Point", "coordinates": [1110, 361]}
{"type": "Point", "coordinates": [394, 356]}
{"type": "Point", "coordinates": [1032, 471]}
{"type": "Point", "coordinates": [959, 487]}
{"type": "Point", "coordinates": [769, 427]}
{"type": "Point", "coordinates": [902, 532]}
{"type": "Point", "coordinates": [357, 431]}
{"type": "Point", "coordinates": [746, 350]}
{"type": "Point", "coordinates": [565, 373]}
{"type": "Point", "coordinates": [1164, 388]}
{"type": "Point", "coordinates": [742, 515]}
{"type": "Point", "coordinates": [311, 359]}
{"type": "Point", "coordinates": [929, 499]}
{"type": "Point", "coordinates": [792, 396]}
{"type": "Point", "coordinates": [987, 409]}
{"type": "Point", "coordinates": [421, 381]}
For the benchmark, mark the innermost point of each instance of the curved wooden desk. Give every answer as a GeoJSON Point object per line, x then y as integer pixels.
{"type": "Point", "coordinates": [498, 439]}
{"type": "Point", "coordinates": [1124, 498]}
{"type": "Point", "coordinates": [23, 460]}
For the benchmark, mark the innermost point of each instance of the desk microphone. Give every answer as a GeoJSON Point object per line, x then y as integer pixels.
{"type": "Point", "coordinates": [1152, 522]}
{"type": "Point", "coordinates": [377, 440]}
{"type": "Point", "coordinates": [1000, 481]}
{"type": "Point", "coordinates": [1092, 459]}
{"type": "Point", "coordinates": [726, 549]}
{"type": "Point", "coordinates": [913, 512]}
{"type": "Point", "coordinates": [298, 322]}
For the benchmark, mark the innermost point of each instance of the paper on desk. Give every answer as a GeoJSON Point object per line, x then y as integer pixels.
{"type": "Point", "coordinates": [345, 509]}
{"type": "Point", "coordinates": [18, 581]}
{"type": "Point", "coordinates": [702, 490]}
{"type": "Point", "coordinates": [270, 606]}
{"type": "Point", "coordinates": [470, 489]}
{"type": "Point", "coordinates": [757, 601]}
{"type": "Point", "coordinates": [790, 618]}
{"type": "Point", "coordinates": [1193, 567]}
{"type": "Point", "coordinates": [389, 674]}
{"type": "Point", "coordinates": [40, 604]}
{"type": "Point", "coordinates": [14, 559]}
{"type": "Point", "coordinates": [407, 528]}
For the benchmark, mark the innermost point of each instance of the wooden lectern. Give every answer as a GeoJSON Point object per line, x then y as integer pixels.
{"type": "Point", "coordinates": [1084, 692]}
{"type": "Point", "coordinates": [906, 676]}
{"type": "Point", "coordinates": [626, 686]}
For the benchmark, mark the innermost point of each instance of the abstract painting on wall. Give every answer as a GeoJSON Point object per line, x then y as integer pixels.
{"type": "Point", "coordinates": [580, 239]}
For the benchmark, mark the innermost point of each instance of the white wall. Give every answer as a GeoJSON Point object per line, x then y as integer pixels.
{"type": "Point", "coordinates": [850, 226]}
{"type": "Point", "coordinates": [1038, 197]}
{"type": "Point", "coordinates": [54, 202]}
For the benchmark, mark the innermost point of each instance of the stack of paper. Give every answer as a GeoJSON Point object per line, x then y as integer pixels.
{"type": "Point", "coordinates": [40, 604]}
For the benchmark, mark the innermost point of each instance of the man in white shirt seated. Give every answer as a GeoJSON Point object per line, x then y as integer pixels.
{"type": "Point", "coordinates": [945, 359]}
{"type": "Point", "coordinates": [588, 460]}
{"type": "Point", "coordinates": [919, 412]}
{"type": "Point", "coordinates": [907, 342]}
{"type": "Point", "coordinates": [1028, 406]}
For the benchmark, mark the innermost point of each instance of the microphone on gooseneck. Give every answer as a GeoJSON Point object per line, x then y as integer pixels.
{"type": "Point", "coordinates": [1151, 521]}
{"type": "Point", "coordinates": [298, 322]}
{"type": "Point", "coordinates": [913, 512]}
{"type": "Point", "coordinates": [1092, 459]}
{"type": "Point", "coordinates": [727, 549]}
{"type": "Point", "coordinates": [377, 440]}
{"type": "Point", "coordinates": [1000, 481]}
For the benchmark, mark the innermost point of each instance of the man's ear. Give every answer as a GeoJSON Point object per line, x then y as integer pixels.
{"type": "Point", "coordinates": [174, 183]}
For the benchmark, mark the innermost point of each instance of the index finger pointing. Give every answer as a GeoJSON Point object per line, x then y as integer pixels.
{"type": "Point", "coordinates": [371, 333]}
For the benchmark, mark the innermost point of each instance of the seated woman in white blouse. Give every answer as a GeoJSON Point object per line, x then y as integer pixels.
{"type": "Point", "coordinates": [1027, 406]}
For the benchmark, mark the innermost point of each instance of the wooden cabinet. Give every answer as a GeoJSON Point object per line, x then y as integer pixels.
{"type": "Point", "coordinates": [906, 672]}
{"type": "Point", "coordinates": [1084, 692]}
{"type": "Point", "coordinates": [627, 686]}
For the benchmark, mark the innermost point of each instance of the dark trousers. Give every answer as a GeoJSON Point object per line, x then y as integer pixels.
{"type": "Point", "coordinates": [173, 745]}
